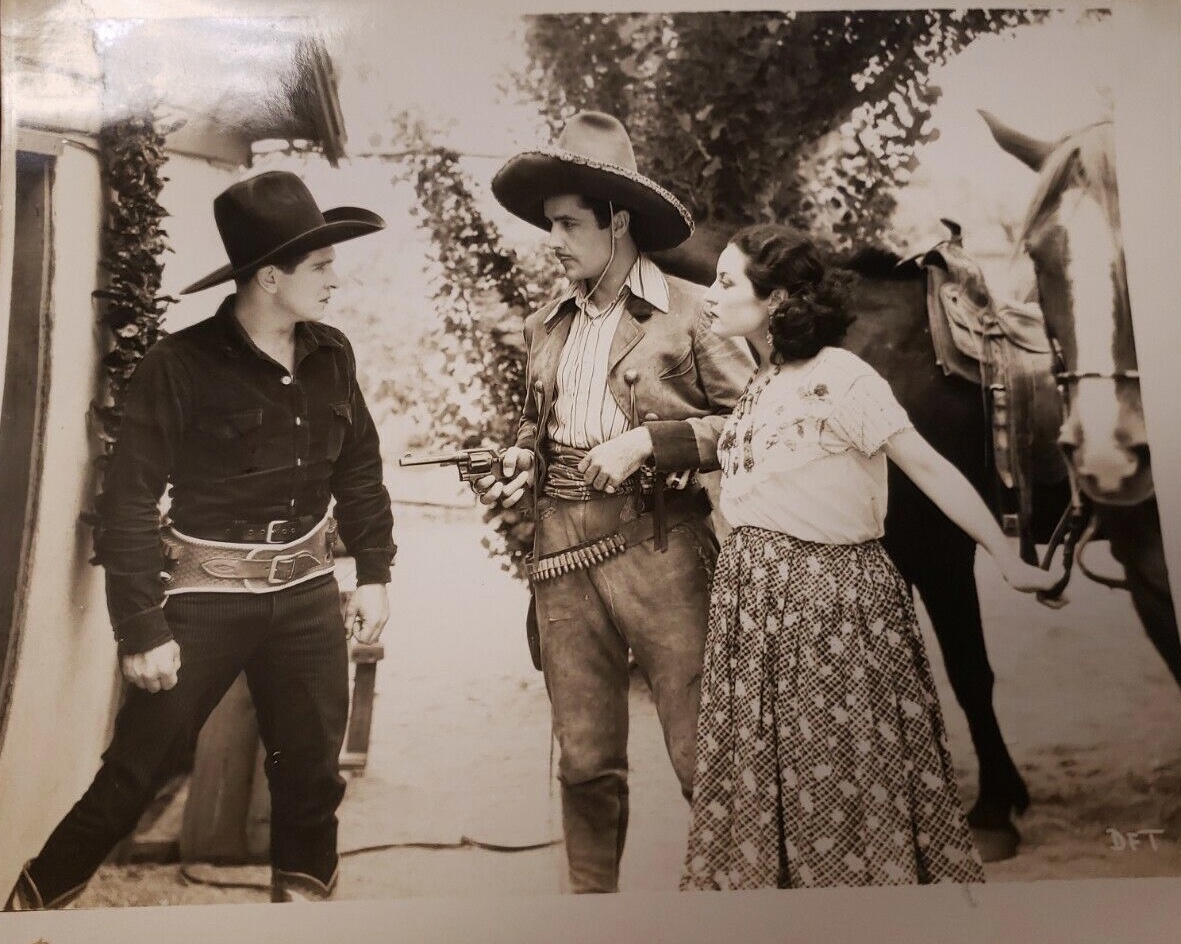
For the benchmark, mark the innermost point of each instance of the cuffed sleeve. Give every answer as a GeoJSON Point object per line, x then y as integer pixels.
{"type": "Point", "coordinates": [674, 445]}
{"type": "Point", "coordinates": [142, 631]}
{"type": "Point", "coordinates": [374, 566]}
{"type": "Point", "coordinates": [128, 542]}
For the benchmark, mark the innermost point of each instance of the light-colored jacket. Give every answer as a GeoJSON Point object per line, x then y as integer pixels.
{"type": "Point", "coordinates": [668, 371]}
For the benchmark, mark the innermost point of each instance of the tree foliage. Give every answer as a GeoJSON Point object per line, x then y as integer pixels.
{"type": "Point", "coordinates": [807, 117]}
{"type": "Point", "coordinates": [482, 290]}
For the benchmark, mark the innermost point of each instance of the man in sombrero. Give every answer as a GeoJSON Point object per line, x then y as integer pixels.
{"type": "Point", "coordinates": [253, 420]}
{"type": "Point", "coordinates": [627, 387]}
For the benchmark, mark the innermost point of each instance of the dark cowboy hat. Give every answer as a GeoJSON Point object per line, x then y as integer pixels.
{"type": "Point", "coordinates": [593, 158]}
{"type": "Point", "coordinates": [273, 216]}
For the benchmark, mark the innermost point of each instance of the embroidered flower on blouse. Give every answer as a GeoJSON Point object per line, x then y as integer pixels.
{"type": "Point", "coordinates": [819, 392]}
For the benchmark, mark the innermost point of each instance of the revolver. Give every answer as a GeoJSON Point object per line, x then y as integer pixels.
{"type": "Point", "coordinates": [473, 464]}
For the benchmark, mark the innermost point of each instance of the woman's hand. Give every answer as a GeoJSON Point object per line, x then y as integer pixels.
{"type": "Point", "coordinates": [1026, 577]}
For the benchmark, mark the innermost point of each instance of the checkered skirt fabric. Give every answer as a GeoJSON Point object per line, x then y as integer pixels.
{"type": "Point", "coordinates": [821, 750]}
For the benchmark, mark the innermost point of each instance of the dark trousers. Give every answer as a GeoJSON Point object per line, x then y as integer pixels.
{"type": "Point", "coordinates": [654, 602]}
{"type": "Point", "coordinates": [292, 646]}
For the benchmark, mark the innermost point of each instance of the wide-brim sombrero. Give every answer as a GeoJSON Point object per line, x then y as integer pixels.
{"type": "Point", "coordinates": [593, 158]}
{"type": "Point", "coordinates": [273, 216]}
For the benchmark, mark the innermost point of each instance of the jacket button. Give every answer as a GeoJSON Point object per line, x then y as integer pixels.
{"type": "Point", "coordinates": [286, 380]}
{"type": "Point", "coordinates": [631, 375]}
{"type": "Point", "coordinates": [650, 416]}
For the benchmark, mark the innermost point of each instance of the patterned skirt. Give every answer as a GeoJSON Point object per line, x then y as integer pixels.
{"type": "Point", "coordinates": [821, 751]}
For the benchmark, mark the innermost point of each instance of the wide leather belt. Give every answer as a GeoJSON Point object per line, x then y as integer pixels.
{"type": "Point", "coordinates": [196, 565]}
{"type": "Point", "coordinates": [628, 534]}
{"type": "Point", "coordinates": [279, 531]}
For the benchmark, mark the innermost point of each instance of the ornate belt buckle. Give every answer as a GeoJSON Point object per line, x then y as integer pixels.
{"type": "Point", "coordinates": [281, 569]}
{"type": "Point", "coordinates": [273, 577]}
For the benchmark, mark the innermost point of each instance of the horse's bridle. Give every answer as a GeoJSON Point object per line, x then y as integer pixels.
{"type": "Point", "coordinates": [1063, 376]}
{"type": "Point", "coordinates": [1078, 523]}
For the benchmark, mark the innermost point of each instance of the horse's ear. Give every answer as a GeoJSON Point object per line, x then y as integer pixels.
{"type": "Point", "coordinates": [932, 257]}
{"type": "Point", "coordinates": [1029, 151]}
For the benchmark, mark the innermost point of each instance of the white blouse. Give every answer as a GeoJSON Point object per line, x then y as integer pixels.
{"type": "Point", "coordinates": [801, 453]}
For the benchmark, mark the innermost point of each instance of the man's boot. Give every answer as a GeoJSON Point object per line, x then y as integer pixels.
{"type": "Point", "coordinates": [24, 895]}
{"type": "Point", "coordinates": [298, 886]}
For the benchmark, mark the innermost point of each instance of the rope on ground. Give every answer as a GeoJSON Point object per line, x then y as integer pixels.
{"type": "Point", "coordinates": [190, 876]}
{"type": "Point", "coordinates": [465, 842]}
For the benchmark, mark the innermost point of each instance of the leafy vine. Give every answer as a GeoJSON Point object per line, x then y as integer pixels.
{"type": "Point", "coordinates": [483, 291]}
{"type": "Point", "coordinates": [131, 306]}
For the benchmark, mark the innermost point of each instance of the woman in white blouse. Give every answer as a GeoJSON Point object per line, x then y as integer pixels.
{"type": "Point", "coordinates": [821, 749]}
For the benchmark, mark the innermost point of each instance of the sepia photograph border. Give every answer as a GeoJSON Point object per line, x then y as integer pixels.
{"type": "Point", "coordinates": [1148, 131]}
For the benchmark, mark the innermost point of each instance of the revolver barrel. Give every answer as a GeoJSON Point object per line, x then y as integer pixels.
{"type": "Point", "coordinates": [437, 458]}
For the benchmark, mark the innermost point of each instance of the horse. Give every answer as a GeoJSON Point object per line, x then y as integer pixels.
{"type": "Point", "coordinates": [892, 332]}
{"type": "Point", "coordinates": [1072, 235]}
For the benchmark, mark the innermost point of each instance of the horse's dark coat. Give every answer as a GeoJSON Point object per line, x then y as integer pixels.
{"type": "Point", "coordinates": [892, 334]}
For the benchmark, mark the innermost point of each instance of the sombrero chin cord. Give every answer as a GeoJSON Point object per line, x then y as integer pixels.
{"type": "Point", "coordinates": [611, 258]}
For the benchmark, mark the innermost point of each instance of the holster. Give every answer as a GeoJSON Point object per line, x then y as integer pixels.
{"type": "Point", "coordinates": [197, 565]}
{"type": "Point", "coordinates": [533, 633]}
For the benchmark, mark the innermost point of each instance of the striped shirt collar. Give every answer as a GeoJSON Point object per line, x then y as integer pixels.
{"type": "Point", "coordinates": [644, 280]}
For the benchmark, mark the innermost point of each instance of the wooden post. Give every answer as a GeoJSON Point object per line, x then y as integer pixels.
{"type": "Point", "coordinates": [356, 749]}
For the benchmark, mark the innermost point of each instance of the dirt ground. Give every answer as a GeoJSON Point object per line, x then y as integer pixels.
{"type": "Point", "coordinates": [460, 748]}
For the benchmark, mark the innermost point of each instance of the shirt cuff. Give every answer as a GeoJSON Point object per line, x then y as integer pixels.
{"type": "Point", "coordinates": [373, 566]}
{"type": "Point", "coordinates": [674, 445]}
{"type": "Point", "coordinates": [143, 631]}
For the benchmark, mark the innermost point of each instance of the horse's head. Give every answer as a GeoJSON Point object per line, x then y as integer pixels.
{"type": "Point", "coordinates": [1072, 235]}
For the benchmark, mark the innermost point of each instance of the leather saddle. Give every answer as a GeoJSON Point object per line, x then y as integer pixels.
{"type": "Point", "coordinates": [1003, 347]}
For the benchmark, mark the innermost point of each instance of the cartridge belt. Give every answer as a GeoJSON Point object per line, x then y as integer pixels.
{"type": "Point", "coordinates": [628, 534]}
{"type": "Point", "coordinates": [196, 565]}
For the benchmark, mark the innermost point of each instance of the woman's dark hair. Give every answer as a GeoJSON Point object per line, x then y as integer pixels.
{"type": "Point", "coordinates": [812, 314]}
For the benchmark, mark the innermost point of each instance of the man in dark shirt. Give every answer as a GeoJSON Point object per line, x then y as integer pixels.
{"type": "Point", "coordinates": [253, 420]}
